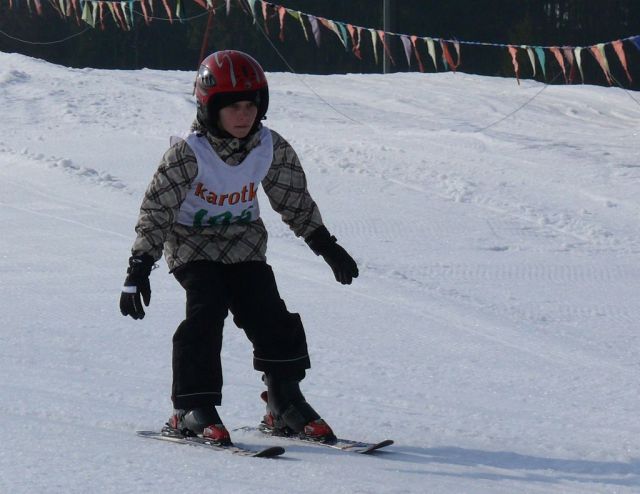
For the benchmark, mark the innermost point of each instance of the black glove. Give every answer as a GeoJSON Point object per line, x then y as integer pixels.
{"type": "Point", "coordinates": [136, 284]}
{"type": "Point", "coordinates": [325, 245]}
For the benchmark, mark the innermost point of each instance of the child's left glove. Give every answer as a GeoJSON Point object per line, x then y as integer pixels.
{"type": "Point", "coordinates": [342, 264]}
{"type": "Point", "coordinates": [135, 285]}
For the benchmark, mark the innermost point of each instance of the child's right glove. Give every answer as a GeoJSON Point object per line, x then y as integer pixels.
{"type": "Point", "coordinates": [325, 245]}
{"type": "Point", "coordinates": [135, 285]}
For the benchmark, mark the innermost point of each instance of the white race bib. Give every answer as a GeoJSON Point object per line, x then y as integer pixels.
{"type": "Point", "coordinates": [222, 194]}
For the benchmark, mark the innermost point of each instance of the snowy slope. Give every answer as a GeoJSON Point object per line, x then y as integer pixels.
{"type": "Point", "coordinates": [492, 332]}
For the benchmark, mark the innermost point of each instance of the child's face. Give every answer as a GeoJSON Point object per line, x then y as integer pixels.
{"type": "Point", "coordinates": [238, 118]}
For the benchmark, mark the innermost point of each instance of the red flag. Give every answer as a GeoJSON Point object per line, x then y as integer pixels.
{"type": "Point", "coordinates": [356, 44]}
{"type": "Point", "coordinates": [447, 54]}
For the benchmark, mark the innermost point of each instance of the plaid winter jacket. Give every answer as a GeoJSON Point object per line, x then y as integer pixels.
{"type": "Point", "coordinates": [285, 185]}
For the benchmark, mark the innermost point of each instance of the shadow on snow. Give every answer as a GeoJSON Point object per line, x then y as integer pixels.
{"type": "Point", "coordinates": [530, 468]}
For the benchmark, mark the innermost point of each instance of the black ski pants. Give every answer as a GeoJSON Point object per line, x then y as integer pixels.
{"type": "Point", "coordinates": [249, 291]}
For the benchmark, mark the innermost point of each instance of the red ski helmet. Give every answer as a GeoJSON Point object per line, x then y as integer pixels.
{"type": "Point", "coordinates": [225, 77]}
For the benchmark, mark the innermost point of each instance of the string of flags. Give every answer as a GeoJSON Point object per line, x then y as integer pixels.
{"type": "Point", "coordinates": [428, 53]}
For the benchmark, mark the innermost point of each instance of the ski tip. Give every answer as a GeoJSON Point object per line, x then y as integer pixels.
{"type": "Point", "coordinates": [271, 452]}
{"type": "Point", "coordinates": [376, 446]}
{"type": "Point", "coordinates": [147, 433]}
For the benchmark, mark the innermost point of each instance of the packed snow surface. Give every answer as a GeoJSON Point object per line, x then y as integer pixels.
{"type": "Point", "coordinates": [493, 331]}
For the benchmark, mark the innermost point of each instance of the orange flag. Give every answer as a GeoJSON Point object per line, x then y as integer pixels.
{"type": "Point", "coordinates": [568, 54]}
{"type": "Point", "coordinates": [447, 54]}
{"type": "Point", "coordinates": [556, 52]}
{"type": "Point", "coordinates": [514, 58]}
{"type": "Point", "coordinates": [386, 47]}
{"type": "Point", "coordinates": [414, 39]}
{"type": "Point", "coordinates": [101, 10]}
{"type": "Point", "coordinates": [145, 13]}
{"type": "Point", "coordinates": [617, 46]}
{"type": "Point", "coordinates": [168, 9]}
{"type": "Point", "coordinates": [598, 52]}
{"type": "Point", "coordinates": [265, 14]}
{"type": "Point", "coordinates": [119, 16]}
{"type": "Point", "coordinates": [282, 12]}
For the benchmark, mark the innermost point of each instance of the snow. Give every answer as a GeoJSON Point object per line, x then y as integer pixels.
{"type": "Point", "coordinates": [492, 332]}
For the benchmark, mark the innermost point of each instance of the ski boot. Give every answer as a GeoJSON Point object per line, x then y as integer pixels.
{"type": "Point", "coordinates": [289, 414]}
{"type": "Point", "coordinates": [202, 422]}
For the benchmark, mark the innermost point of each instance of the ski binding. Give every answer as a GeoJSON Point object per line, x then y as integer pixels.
{"type": "Point", "coordinates": [347, 445]}
{"type": "Point", "coordinates": [174, 437]}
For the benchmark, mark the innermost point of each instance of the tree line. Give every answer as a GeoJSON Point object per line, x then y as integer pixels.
{"type": "Point", "coordinates": [178, 45]}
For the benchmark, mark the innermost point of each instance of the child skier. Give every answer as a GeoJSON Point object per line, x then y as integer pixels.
{"type": "Point", "coordinates": [201, 208]}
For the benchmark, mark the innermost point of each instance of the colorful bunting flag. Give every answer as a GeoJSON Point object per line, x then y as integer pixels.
{"type": "Point", "coordinates": [333, 26]}
{"type": "Point", "coordinates": [282, 12]}
{"type": "Point", "coordinates": [374, 41]}
{"type": "Point", "coordinates": [532, 58]}
{"type": "Point", "coordinates": [541, 59]}
{"type": "Point", "coordinates": [298, 16]}
{"type": "Point", "coordinates": [101, 12]}
{"type": "Point", "coordinates": [87, 15]}
{"type": "Point", "coordinates": [355, 40]}
{"type": "Point", "coordinates": [619, 49]}
{"type": "Point", "coordinates": [514, 59]}
{"type": "Point", "coordinates": [447, 54]}
{"type": "Point", "coordinates": [598, 52]}
{"type": "Point", "coordinates": [92, 12]}
{"type": "Point", "coordinates": [431, 48]}
{"type": "Point", "coordinates": [145, 14]}
{"type": "Point", "coordinates": [556, 53]}
{"type": "Point", "coordinates": [252, 7]}
{"type": "Point", "coordinates": [414, 41]}
{"type": "Point", "coordinates": [265, 14]}
{"type": "Point", "coordinates": [342, 34]}
{"type": "Point", "coordinates": [568, 55]}
{"type": "Point", "coordinates": [381, 35]}
{"type": "Point", "coordinates": [578, 53]}
{"type": "Point", "coordinates": [168, 10]}
{"type": "Point", "coordinates": [315, 29]}
{"type": "Point", "coordinates": [406, 42]}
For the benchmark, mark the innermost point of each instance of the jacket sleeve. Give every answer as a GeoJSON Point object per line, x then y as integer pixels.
{"type": "Point", "coordinates": [162, 199]}
{"type": "Point", "coordinates": [286, 188]}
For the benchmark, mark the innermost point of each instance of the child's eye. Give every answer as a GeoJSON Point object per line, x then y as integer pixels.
{"type": "Point", "coordinates": [240, 105]}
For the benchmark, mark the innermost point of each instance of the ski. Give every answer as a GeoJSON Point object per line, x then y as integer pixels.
{"type": "Point", "coordinates": [348, 445]}
{"type": "Point", "coordinates": [271, 452]}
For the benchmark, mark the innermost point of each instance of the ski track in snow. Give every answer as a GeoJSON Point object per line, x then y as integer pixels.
{"type": "Point", "coordinates": [491, 334]}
